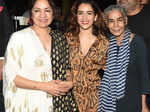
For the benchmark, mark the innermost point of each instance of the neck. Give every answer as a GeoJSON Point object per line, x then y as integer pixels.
{"type": "Point", "coordinates": [135, 10]}
{"type": "Point", "coordinates": [41, 30]}
{"type": "Point", "coordinates": [120, 38]}
{"type": "Point", "coordinates": [85, 34]}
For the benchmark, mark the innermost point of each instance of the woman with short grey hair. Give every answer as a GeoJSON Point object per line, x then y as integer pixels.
{"type": "Point", "coordinates": [125, 81]}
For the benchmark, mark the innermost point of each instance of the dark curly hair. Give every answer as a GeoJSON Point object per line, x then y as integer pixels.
{"type": "Point", "coordinates": [99, 27]}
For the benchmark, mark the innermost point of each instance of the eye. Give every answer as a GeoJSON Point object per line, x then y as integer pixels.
{"type": "Point", "coordinates": [121, 19]}
{"type": "Point", "coordinates": [36, 10]}
{"type": "Point", "coordinates": [48, 10]}
{"type": "Point", "coordinates": [110, 21]}
{"type": "Point", "coordinates": [90, 13]}
{"type": "Point", "coordinates": [79, 13]}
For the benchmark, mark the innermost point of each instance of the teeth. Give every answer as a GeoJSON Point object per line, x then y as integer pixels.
{"type": "Point", "coordinates": [84, 23]}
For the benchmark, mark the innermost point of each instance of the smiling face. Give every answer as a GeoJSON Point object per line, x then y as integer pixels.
{"type": "Point", "coordinates": [42, 14]}
{"type": "Point", "coordinates": [116, 23]}
{"type": "Point", "coordinates": [85, 16]}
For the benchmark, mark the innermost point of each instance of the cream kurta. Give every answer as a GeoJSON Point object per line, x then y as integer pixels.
{"type": "Point", "coordinates": [25, 56]}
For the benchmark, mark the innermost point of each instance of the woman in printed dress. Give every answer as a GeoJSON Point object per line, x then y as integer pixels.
{"type": "Point", "coordinates": [88, 46]}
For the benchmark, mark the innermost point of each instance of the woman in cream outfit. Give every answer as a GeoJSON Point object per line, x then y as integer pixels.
{"type": "Point", "coordinates": [28, 81]}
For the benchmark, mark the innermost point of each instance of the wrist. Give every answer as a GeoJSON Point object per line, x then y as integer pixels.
{"type": "Point", "coordinates": [39, 86]}
{"type": "Point", "coordinates": [70, 84]}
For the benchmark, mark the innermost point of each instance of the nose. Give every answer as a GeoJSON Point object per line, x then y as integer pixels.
{"type": "Point", "coordinates": [85, 16]}
{"type": "Point", "coordinates": [42, 14]}
{"type": "Point", "coordinates": [116, 24]}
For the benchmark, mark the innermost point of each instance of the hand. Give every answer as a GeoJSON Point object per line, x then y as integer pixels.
{"type": "Point", "coordinates": [65, 86]}
{"type": "Point", "coordinates": [144, 105]}
{"type": "Point", "coordinates": [145, 110]}
{"type": "Point", "coordinates": [52, 87]}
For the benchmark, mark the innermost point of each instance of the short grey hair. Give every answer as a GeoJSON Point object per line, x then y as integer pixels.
{"type": "Point", "coordinates": [114, 7]}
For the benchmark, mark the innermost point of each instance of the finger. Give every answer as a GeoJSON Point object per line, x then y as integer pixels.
{"type": "Point", "coordinates": [62, 93]}
{"type": "Point", "coordinates": [64, 90]}
{"type": "Point", "coordinates": [58, 81]}
{"type": "Point", "coordinates": [57, 93]}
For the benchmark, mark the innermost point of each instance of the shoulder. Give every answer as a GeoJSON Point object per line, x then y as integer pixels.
{"type": "Point", "coordinates": [22, 32]}
{"type": "Point", "coordinates": [138, 39]}
{"type": "Point", "coordinates": [138, 43]}
{"type": "Point", "coordinates": [72, 41]}
{"type": "Point", "coordinates": [147, 7]}
{"type": "Point", "coordinates": [104, 41]}
{"type": "Point", "coordinates": [21, 35]}
{"type": "Point", "coordinates": [68, 36]}
{"type": "Point", "coordinates": [56, 33]}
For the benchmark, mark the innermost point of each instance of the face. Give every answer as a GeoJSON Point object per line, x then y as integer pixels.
{"type": "Point", "coordinates": [116, 23]}
{"type": "Point", "coordinates": [128, 4]}
{"type": "Point", "coordinates": [42, 14]}
{"type": "Point", "coordinates": [85, 16]}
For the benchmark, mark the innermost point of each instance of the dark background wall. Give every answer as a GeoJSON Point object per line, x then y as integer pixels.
{"type": "Point", "coordinates": [18, 7]}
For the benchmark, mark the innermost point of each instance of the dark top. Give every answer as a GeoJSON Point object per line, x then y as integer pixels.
{"type": "Point", "coordinates": [140, 24]}
{"type": "Point", "coordinates": [6, 28]}
{"type": "Point", "coordinates": [137, 79]}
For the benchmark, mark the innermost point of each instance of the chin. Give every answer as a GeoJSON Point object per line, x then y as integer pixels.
{"type": "Point", "coordinates": [44, 26]}
{"type": "Point", "coordinates": [85, 28]}
{"type": "Point", "coordinates": [116, 34]}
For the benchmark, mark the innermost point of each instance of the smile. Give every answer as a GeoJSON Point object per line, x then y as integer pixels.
{"type": "Point", "coordinates": [43, 20]}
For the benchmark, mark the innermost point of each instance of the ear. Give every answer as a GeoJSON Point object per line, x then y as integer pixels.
{"type": "Point", "coordinates": [95, 17]}
{"type": "Point", "coordinates": [118, 1]}
{"type": "Point", "coordinates": [126, 20]}
{"type": "Point", "coordinates": [106, 22]}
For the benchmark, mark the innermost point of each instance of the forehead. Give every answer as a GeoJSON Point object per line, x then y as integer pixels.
{"type": "Point", "coordinates": [129, 0]}
{"type": "Point", "coordinates": [85, 7]}
{"type": "Point", "coordinates": [113, 14]}
{"type": "Point", "coordinates": [41, 4]}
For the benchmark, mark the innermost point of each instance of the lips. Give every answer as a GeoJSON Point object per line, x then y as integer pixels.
{"type": "Point", "coordinates": [84, 23]}
{"type": "Point", "coordinates": [116, 30]}
{"type": "Point", "coordinates": [43, 20]}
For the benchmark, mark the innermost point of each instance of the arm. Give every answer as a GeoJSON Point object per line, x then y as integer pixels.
{"type": "Point", "coordinates": [1, 68]}
{"type": "Point", "coordinates": [143, 70]}
{"type": "Point", "coordinates": [52, 87]}
{"type": "Point", "coordinates": [144, 106]}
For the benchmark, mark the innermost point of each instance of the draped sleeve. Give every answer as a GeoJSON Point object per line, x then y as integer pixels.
{"type": "Point", "coordinates": [13, 57]}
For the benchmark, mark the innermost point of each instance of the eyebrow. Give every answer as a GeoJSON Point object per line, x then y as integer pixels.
{"type": "Point", "coordinates": [84, 11]}
{"type": "Point", "coordinates": [40, 8]}
{"type": "Point", "coordinates": [117, 18]}
{"type": "Point", "coordinates": [120, 17]}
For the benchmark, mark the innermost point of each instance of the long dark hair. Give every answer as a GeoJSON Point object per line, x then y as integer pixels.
{"type": "Point", "coordinates": [98, 26]}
